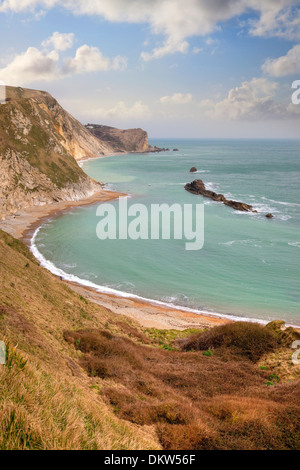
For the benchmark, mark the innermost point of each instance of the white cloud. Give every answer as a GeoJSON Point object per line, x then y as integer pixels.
{"type": "Point", "coordinates": [122, 111]}
{"type": "Point", "coordinates": [177, 20]}
{"type": "Point", "coordinates": [59, 41]}
{"type": "Point", "coordinates": [177, 98]}
{"type": "Point", "coordinates": [169, 47]}
{"type": "Point", "coordinates": [278, 18]}
{"type": "Point", "coordinates": [252, 101]}
{"type": "Point", "coordinates": [288, 64]}
{"type": "Point", "coordinates": [30, 66]}
{"type": "Point", "coordinates": [196, 50]}
{"type": "Point", "coordinates": [18, 6]}
{"type": "Point", "coordinates": [36, 65]}
{"type": "Point", "coordinates": [91, 59]}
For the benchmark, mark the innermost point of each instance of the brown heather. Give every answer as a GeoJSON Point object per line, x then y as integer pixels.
{"type": "Point", "coordinates": [198, 402]}
{"type": "Point", "coordinates": [80, 377]}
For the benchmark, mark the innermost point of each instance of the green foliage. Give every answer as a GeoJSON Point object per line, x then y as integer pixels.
{"type": "Point", "coordinates": [274, 378]}
{"type": "Point", "coordinates": [270, 384]}
{"type": "Point", "coordinates": [208, 353]}
{"type": "Point", "coordinates": [167, 339]}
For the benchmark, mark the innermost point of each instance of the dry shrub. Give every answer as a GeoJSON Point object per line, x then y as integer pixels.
{"type": "Point", "coordinates": [132, 332]}
{"type": "Point", "coordinates": [186, 437]}
{"type": "Point", "coordinates": [196, 402]}
{"type": "Point", "coordinates": [248, 340]}
{"type": "Point", "coordinates": [137, 410]}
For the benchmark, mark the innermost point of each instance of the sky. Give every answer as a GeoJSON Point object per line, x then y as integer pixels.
{"type": "Point", "coordinates": [188, 69]}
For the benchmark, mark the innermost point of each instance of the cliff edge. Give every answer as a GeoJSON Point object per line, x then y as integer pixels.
{"type": "Point", "coordinates": [130, 140]}
{"type": "Point", "coordinates": [39, 145]}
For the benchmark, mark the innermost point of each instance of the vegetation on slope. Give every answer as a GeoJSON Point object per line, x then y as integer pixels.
{"type": "Point", "coordinates": [50, 403]}
{"type": "Point", "coordinates": [82, 377]}
{"type": "Point", "coordinates": [197, 401]}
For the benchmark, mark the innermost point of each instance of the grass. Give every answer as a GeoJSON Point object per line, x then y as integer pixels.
{"type": "Point", "coordinates": [46, 399]}
{"type": "Point", "coordinates": [195, 404]}
{"type": "Point", "coordinates": [167, 339]}
{"type": "Point", "coordinates": [80, 377]}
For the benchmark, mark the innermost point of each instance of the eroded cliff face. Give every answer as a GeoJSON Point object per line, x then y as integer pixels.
{"type": "Point", "coordinates": [39, 145]}
{"type": "Point", "coordinates": [130, 140]}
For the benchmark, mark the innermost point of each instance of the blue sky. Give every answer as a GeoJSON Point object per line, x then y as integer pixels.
{"type": "Point", "coordinates": [218, 68]}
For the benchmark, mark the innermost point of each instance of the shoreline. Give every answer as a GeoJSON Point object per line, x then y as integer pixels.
{"type": "Point", "coordinates": [148, 312]}
{"type": "Point", "coordinates": [26, 221]}
{"type": "Point", "coordinates": [24, 224]}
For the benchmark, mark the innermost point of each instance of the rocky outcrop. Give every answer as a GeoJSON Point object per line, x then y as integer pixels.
{"type": "Point", "coordinates": [193, 169]}
{"type": "Point", "coordinates": [198, 187]}
{"type": "Point", "coordinates": [39, 145]}
{"type": "Point", "coordinates": [156, 149]}
{"type": "Point", "coordinates": [130, 140]}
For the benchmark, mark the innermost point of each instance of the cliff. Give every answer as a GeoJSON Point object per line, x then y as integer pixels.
{"type": "Point", "coordinates": [130, 140]}
{"type": "Point", "coordinates": [39, 145]}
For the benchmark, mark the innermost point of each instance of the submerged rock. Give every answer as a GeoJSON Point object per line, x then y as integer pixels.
{"type": "Point", "coordinates": [193, 170]}
{"type": "Point", "coordinates": [270, 216]}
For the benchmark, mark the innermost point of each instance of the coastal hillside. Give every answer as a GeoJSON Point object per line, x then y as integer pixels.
{"type": "Point", "coordinates": [39, 145]}
{"type": "Point", "coordinates": [78, 376]}
{"type": "Point", "coordinates": [46, 399]}
{"type": "Point", "coordinates": [130, 140]}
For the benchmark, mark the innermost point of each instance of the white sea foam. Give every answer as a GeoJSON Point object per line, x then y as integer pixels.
{"type": "Point", "coordinates": [296, 244]}
{"type": "Point", "coordinates": [66, 265]}
{"type": "Point", "coordinates": [291, 204]}
{"type": "Point", "coordinates": [250, 241]}
{"type": "Point", "coordinates": [108, 290]}
{"type": "Point", "coordinates": [211, 186]}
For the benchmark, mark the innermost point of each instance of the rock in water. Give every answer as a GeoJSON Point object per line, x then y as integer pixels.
{"type": "Point", "coordinates": [193, 170]}
{"type": "Point", "coordinates": [270, 216]}
{"type": "Point", "coordinates": [198, 187]}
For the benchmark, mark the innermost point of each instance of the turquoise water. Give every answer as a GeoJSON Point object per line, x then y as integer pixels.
{"type": "Point", "coordinates": [249, 265]}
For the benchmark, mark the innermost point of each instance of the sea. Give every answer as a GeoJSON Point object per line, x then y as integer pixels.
{"type": "Point", "coordinates": [249, 266]}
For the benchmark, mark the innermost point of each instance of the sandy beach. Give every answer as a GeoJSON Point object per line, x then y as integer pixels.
{"type": "Point", "coordinates": [25, 222]}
